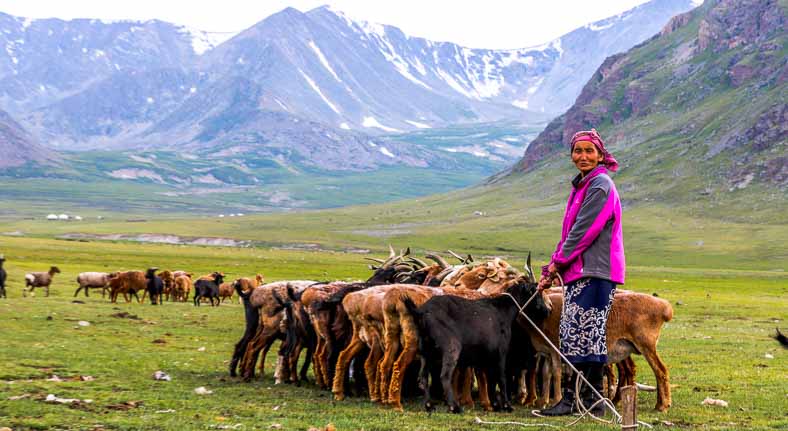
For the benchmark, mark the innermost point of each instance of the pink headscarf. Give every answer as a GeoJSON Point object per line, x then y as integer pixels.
{"type": "Point", "coordinates": [592, 136]}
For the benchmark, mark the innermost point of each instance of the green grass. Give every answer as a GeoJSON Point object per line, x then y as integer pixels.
{"type": "Point", "coordinates": [715, 347]}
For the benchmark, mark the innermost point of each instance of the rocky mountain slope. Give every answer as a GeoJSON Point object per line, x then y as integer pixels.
{"type": "Point", "coordinates": [87, 84]}
{"type": "Point", "coordinates": [695, 113]}
{"type": "Point", "coordinates": [17, 147]}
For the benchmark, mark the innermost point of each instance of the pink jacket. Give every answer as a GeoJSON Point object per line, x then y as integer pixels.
{"type": "Point", "coordinates": [592, 243]}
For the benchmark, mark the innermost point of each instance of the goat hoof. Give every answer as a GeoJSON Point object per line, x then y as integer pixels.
{"type": "Point", "coordinates": [508, 408]}
{"type": "Point", "coordinates": [339, 396]}
{"type": "Point", "coordinates": [456, 409]}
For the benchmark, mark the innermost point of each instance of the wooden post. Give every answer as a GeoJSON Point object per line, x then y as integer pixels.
{"type": "Point", "coordinates": [629, 407]}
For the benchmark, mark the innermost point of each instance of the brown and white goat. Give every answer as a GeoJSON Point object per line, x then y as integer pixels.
{"type": "Point", "coordinates": [633, 326]}
{"type": "Point", "coordinates": [39, 279]}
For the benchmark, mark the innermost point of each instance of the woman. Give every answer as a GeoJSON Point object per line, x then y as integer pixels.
{"type": "Point", "coordinates": [590, 260]}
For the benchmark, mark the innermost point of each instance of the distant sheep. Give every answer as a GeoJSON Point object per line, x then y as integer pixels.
{"type": "Point", "coordinates": [39, 279]}
{"type": "Point", "coordinates": [2, 276]}
{"type": "Point", "coordinates": [92, 280]}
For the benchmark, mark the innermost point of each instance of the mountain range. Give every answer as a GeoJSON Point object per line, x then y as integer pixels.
{"type": "Point", "coordinates": [694, 114]}
{"type": "Point", "coordinates": [290, 86]}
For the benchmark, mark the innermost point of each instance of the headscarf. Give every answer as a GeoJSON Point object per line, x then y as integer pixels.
{"type": "Point", "coordinates": [593, 136]}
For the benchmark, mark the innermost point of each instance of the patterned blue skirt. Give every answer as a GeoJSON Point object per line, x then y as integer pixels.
{"type": "Point", "coordinates": [583, 328]}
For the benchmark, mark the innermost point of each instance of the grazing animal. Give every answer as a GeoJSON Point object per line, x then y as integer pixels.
{"type": "Point", "coordinates": [92, 280]}
{"type": "Point", "coordinates": [226, 291]}
{"type": "Point", "coordinates": [155, 287]}
{"type": "Point", "coordinates": [39, 279]}
{"type": "Point", "coordinates": [264, 316]}
{"type": "Point", "coordinates": [457, 332]}
{"type": "Point", "coordinates": [169, 284]}
{"type": "Point", "coordinates": [633, 326]}
{"type": "Point", "coordinates": [2, 276]}
{"type": "Point", "coordinates": [779, 337]}
{"type": "Point", "coordinates": [128, 283]}
{"type": "Point", "coordinates": [182, 287]}
{"type": "Point", "coordinates": [208, 287]}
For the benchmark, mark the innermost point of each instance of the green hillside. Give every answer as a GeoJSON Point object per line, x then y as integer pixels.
{"type": "Point", "coordinates": [697, 116]}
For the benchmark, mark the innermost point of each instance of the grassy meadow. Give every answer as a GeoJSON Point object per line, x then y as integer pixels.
{"type": "Point", "coordinates": [716, 346]}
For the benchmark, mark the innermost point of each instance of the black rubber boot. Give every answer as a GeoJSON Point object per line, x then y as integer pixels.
{"type": "Point", "coordinates": [567, 404]}
{"type": "Point", "coordinates": [594, 372]}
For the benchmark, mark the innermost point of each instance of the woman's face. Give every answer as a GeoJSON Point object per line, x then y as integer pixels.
{"type": "Point", "coordinates": [586, 157]}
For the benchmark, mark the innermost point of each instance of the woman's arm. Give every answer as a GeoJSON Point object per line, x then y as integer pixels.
{"type": "Point", "coordinates": [596, 210]}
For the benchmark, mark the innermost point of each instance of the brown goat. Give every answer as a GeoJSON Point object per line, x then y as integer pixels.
{"type": "Point", "coordinates": [365, 311]}
{"type": "Point", "coordinates": [168, 279]}
{"type": "Point", "coordinates": [128, 283]}
{"type": "Point", "coordinates": [633, 326]}
{"type": "Point", "coordinates": [321, 319]}
{"type": "Point", "coordinates": [268, 328]}
{"type": "Point", "coordinates": [181, 288]}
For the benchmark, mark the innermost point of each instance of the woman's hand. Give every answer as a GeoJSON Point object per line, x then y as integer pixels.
{"type": "Point", "coordinates": [550, 279]}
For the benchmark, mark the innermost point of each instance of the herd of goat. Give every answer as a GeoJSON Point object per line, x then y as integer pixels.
{"type": "Point", "coordinates": [464, 322]}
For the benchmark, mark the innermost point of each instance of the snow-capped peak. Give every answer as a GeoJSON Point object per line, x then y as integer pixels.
{"type": "Point", "coordinates": [203, 41]}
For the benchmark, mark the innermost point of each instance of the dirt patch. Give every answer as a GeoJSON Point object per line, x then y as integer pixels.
{"type": "Point", "coordinates": [125, 315]}
{"type": "Point", "coordinates": [126, 405]}
{"type": "Point", "coordinates": [159, 238]}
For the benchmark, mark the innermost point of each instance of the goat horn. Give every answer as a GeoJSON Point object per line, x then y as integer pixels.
{"type": "Point", "coordinates": [403, 267]}
{"type": "Point", "coordinates": [444, 273]}
{"type": "Point", "coordinates": [374, 259]}
{"type": "Point", "coordinates": [420, 263]}
{"type": "Point", "coordinates": [456, 256]}
{"type": "Point", "coordinates": [391, 252]}
{"type": "Point", "coordinates": [528, 270]}
{"type": "Point", "coordinates": [372, 267]}
{"type": "Point", "coordinates": [470, 258]}
{"type": "Point", "coordinates": [438, 259]}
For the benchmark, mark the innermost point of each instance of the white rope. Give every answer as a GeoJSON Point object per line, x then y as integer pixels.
{"type": "Point", "coordinates": [579, 376]}
{"type": "Point", "coordinates": [478, 420]}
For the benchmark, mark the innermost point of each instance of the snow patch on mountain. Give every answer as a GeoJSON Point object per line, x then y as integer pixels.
{"type": "Point", "coordinates": [323, 60]}
{"type": "Point", "coordinates": [522, 104]}
{"type": "Point", "coordinates": [386, 152]}
{"type": "Point", "coordinates": [418, 125]}
{"type": "Point", "coordinates": [373, 122]}
{"type": "Point", "coordinates": [203, 41]}
{"type": "Point", "coordinates": [319, 92]}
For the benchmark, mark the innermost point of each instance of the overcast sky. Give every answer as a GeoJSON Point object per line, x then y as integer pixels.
{"type": "Point", "coordinates": [495, 24]}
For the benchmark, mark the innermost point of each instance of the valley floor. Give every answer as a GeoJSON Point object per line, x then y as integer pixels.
{"type": "Point", "coordinates": [718, 345]}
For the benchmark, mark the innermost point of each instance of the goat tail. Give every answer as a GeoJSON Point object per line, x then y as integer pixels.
{"type": "Point", "coordinates": [411, 306]}
{"type": "Point", "coordinates": [781, 338]}
{"type": "Point", "coordinates": [667, 312]}
{"type": "Point", "coordinates": [291, 336]}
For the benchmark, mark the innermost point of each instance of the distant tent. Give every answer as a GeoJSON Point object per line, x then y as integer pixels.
{"type": "Point", "coordinates": [62, 217]}
{"type": "Point", "coordinates": [52, 217]}
{"type": "Point", "coordinates": [77, 217]}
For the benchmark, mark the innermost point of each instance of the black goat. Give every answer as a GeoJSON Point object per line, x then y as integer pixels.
{"type": "Point", "coordinates": [781, 338]}
{"type": "Point", "coordinates": [457, 332]}
{"type": "Point", "coordinates": [252, 316]}
{"type": "Point", "coordinates": [207, 288]}
{"type": "Point", "coordinates": [2, 277]}
{"type": "Point", "coordinates": [155, 287]}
